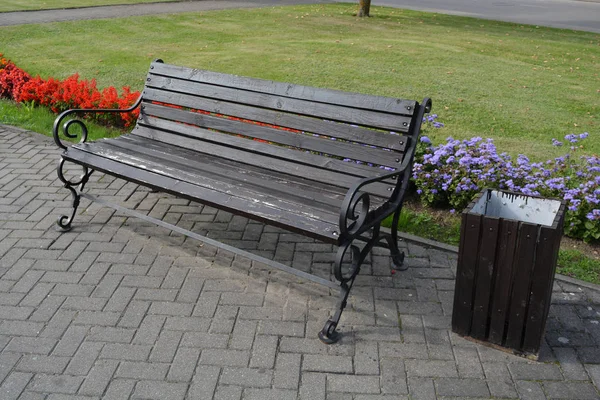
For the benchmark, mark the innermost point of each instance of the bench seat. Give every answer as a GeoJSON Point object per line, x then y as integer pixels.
{"type": "Point", "coordinates": [295, 203]}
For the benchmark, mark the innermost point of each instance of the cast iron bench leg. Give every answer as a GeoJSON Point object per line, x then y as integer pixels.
{"type": "Point", "coordinates": [64, 221]}
{"type": "Point", "coordinates": [329, 334]}
{"type": "Point", "coordinates": [392, 241]}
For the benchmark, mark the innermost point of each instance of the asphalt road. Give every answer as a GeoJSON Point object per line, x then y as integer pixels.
{"type": "Point", "coordinates": [570, 14]}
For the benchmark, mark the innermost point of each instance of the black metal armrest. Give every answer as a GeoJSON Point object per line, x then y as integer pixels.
{"type": "Point", "coordinates": [84, 132]}
{"type": "Point", "coordinates": [367, 218]}
{"type": "Point", "coordinates": [355, 198]}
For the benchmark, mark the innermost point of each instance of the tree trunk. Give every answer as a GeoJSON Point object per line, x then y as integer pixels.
{"type": "Point", "coordinates": [364, 7]}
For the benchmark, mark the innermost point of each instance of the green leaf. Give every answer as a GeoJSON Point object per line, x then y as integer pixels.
{"type": "Point", "coordinates": [589, 225]}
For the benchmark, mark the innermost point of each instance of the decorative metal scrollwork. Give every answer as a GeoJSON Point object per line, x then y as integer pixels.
{"type": "Point", "coordinates": [57, 128]}
{"type": "Point", "coordinates": [65, 129]}
{"type": "Point", "coordinates": [354, 214]}
{"type": "Point", "coordinates": [64, 221]}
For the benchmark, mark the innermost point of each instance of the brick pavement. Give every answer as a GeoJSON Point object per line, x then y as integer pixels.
{"type": "Point", "coordinates": [120, 309]}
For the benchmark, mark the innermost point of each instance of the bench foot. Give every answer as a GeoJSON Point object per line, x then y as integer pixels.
{"type": "Point", "coordinates": [329, 334]}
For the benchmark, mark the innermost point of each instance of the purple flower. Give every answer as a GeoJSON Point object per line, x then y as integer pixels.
{"type": "Point", "coordinates": [425, 139]}
{"type": "Point", "coordinates": [556, 143]}
{"type": "Point", "coordinates": [572, 138]}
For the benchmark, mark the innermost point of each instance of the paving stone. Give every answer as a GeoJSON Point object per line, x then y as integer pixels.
{"type": "Point", "coordinates": [35, 345]}
{"type": "Point", "coordinates": [264, 352]}
{"type": "Point", "coordinates": [353, 383]}
{"type": "Point", "coordinates": [184, 364]}
{"type": "Point", "coordinates": [159, 390]}
{"type": "Point", "coordinates": [421, 388]}
{"type": "Point", "coordinates": [128, 352]}
{"type": "Point", "coordinates": [570, 365]}
{"type": "Point", "coordinates": [529, 390]}
{"type": "Point", "coordinates": [499, 380]}
{"type": "Point", "coordinates": [99, 378]}
{"type": "Point", "coordinates": [142, 370]}
{"type": "Point", "coordinates": [36, 363]}
{"type": "Point", "coordinates": [571, 390]}
{"type": "Point", "coordinates": [166, 346]}
{"type": "Point", "coordinates": [204, 382]}
{"type": "Point", "coordinates": [538, 371]}
{"type": "Point", "coordinates": [247, 377]}
{"type": "Point", "coordinates": [225, 357]}
{"type": "Point", "coordinates": [13, 385]}
{"type": "Point", "coordinates": [461, 387]}
{"type": "Point", "coordinates": [287, 371]}
{"type": "Point", "coordinates": [327, 363]}
{"type": "Point", "coordinates": [66, 384]}
{"type": "Point", "coordinates": [366, 358]}
{"type": "Point", "coordinates": [393, 377]}
{"type": "Point", "coordinates": [431, 368]}
{"type": "Point", "coordinates": [404, 350]}
{"type": "Point", "coordinates": [302, 345]}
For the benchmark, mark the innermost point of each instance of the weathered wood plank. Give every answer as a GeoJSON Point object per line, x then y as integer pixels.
{"type": "Point", "coordinates": [282, 137]}
{"type": "Point", "coordinates": [483, 285]}
{"type": "Point", "coordinates": [327, 96]}
{"type": "Point", "coordinates": [519, 303]}
{"type": "Point", "coordinates": [278, 118]}
{"type": "Point", "coordinates": [462, 311]}
{"type": "Point", "coordinates": [229, 186]}
{"type": "Point", "coordinates": [283, 186]}
{"type": "Point", "coordinates": [503, 272]}
{"type": "Point", "coordinates": [259, 211]}
{"type": "Point", "coordinates": [541, 287]}
{"type": "Point", "coordinates": [348, 115]}
{"type": "Point", "coordinates": [322, 169]}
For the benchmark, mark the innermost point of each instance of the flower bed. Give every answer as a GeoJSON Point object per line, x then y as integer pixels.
{"type": "Point", "coordinates": [18, 85]}
{"type": "Point", "coordinates": [450, 174]}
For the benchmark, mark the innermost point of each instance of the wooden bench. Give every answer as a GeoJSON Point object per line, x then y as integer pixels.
{"type": "Point", "coordinates": [326, 164]}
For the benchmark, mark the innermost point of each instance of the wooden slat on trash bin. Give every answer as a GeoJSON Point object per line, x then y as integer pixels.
{"type": "Point", "coordinates": [524, 258]}
{"type": "Point", "coordinates": [467, 258]}
{"type": "Point", "coordinates": [542, 278]}
{"type": "Point", "coordinates": [508, 233]}
{"type": "Point", "coordinates": [483, 285]}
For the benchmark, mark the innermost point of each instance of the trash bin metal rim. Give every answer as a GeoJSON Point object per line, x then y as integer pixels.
{"type": "Point", "coordinates": [493, 203]}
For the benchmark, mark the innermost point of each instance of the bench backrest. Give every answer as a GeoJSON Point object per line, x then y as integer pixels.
{"type": "Point", "coordinates": [323, 135]}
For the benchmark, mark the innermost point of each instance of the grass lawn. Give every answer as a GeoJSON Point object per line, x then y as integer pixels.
{"type": "Point", "coordinates": [26, 5]}
{"type": "Point", "coordinates": [521, 85]}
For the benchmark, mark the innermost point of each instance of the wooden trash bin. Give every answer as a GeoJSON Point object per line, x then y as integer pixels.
{"type": "Point", "coordinates": [507, 258]}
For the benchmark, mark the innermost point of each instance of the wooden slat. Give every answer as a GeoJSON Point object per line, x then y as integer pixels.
{"type": "Point", "coordinates": [507, 243]}
{"type": "Point", "coordinates": [519, 299]}
{"type": "Point", "coordinates": [327, 96]}
{"type": "Point", "coordinates": [298, 185]}
{"type": "Point", "coordinates": [307, 142]}
{"type": "Point", "coordinates": [361, 117]}
{"type": "Point", "coordinates": [278, 118]}
{"type": "Point", "coordinates": [483, 285]}
{"type": "Point", "coordinates": [541, 287]}
{"type": "Point", "coordinates": [465, 276]}
{"type": "Point", "coordinates": [273, 184]}
{"type": "Point", "coordinates": [330, 170]}
{"type": "Point", "coordinates": [254, 210]}
{"type": "Point", "coordinates": [219, 183]}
